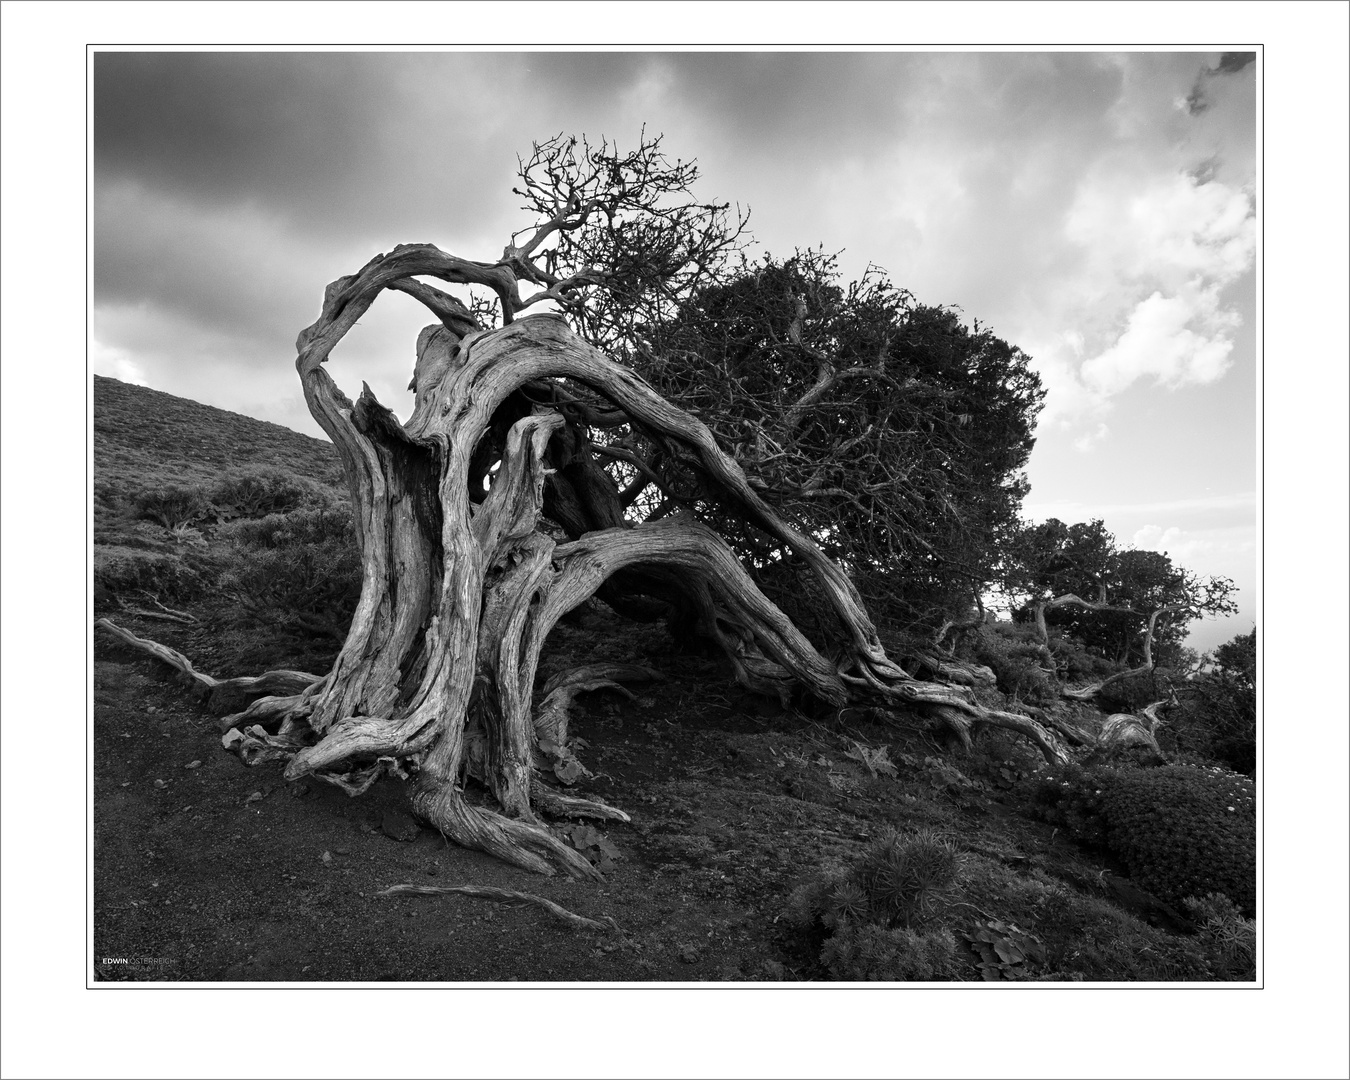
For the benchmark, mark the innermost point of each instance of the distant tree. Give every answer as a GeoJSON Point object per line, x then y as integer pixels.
{"type": "Point", "coordinates": [1127, 604]}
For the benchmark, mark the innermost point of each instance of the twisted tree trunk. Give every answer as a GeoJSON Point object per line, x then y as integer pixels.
{"type": "Point", "coordinates": [462, 588]}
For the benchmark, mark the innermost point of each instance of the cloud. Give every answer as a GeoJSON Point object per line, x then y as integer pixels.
{"type": "Point", "coordinates": [1227, 550]}
{"type": "Point", "coordinates": [1154, 259]}
{"type": "Point", "coordinates": [116, 363]}
{"type": "Point", "coordinates": [1177, 340]}
{"type": "Point", "coordinates": [1230, 63]}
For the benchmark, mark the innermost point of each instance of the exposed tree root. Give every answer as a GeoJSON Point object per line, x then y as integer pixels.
{"type": "Point", "coordinates": [1072, 732]}
{"type": "Point", "coordinates": [551, 721]}
{"type": "Point", "coordinates": [522, 843]}
{"type": "Point", "coordinates": [1126, 729]}
{"type": "Point", "coordinates": [1129, 729]}
{"type": "Point", "coordinates": [216, 691]}
{"type": "Point", "coordinates": [505, 896]}
{"type": "Point", "coordinates": [556, 804]}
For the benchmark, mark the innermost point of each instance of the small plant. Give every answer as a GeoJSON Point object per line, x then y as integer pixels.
{"type": "Point", "coordinates": [1004, 951]}
{"type": "Point", "coordinates": [187, 535]}
{"type": "Point", "coordinates": [876, 760]}
{"type": "Point", "coordinates": [904, 875]}
{"type": "Point", "coordinates": [868, 952]}
{"type": "Point", "coordinates": [594, 845]}
{"type": "Point", "coordinates": [173, 505]}
{"type": "Point", "coordinates": [875, 913]}
{"type": "Point", "coordinates": [258, 494]}
{"type": "Point", "coordinates": [1229, 940]}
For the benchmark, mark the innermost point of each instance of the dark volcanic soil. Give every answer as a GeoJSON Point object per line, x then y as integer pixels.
{"type": "Point", "coordinates": [208, 870]}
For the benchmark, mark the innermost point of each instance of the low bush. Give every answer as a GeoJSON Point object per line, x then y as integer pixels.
{"type": "Point", "coordinates": [173, 505]}
{"type": "Point", "coordinates": [1015, 656]}
{"type": "Point", "coordinates": [1071, 799]}
{"type": "Point", "coordinates": [298, 528]}
{"type": "Point", "coordinates": [267, 491]}
{"type": "Point", "coordinates": [876, 914]}
{"type": "Point", "coordinates": [868, 952]}
{"type": "Point", "coordinates": [121, 571]}
{"type": "Point", "coordinates": [1181, 830]}
{"type": "Point", "coordinates": [1229, 940]}
{"type": "Point", "coordinates": [298, 570]}
{"type": "Point", "coordinates": [1185, 831]}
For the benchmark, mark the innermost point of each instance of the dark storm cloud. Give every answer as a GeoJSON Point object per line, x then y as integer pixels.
{"type": "Point", "coordinates": [321, 136]}
{"type": "Point", "coordinates": [1233, 62]}
{"type": "Point", "coordinates": [1230, 63]}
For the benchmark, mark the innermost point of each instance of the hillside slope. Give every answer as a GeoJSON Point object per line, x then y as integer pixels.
{"type": "Point", "coordinates": [139, 432]}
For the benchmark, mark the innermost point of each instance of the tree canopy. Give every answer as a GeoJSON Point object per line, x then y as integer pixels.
{"type": "Point", "coordinates": [1127, 604]}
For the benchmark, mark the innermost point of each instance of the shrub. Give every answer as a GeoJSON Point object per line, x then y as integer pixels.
{"type": "Point", "coordinates": [298, 570]}
{"type": "Point", "coordinates": [121, 570]}
{"type": "Point", "coordinates": [267, 491]}
{"type": "Point", "coordinates": [1181, 830]}
{"type": "Point", "coordinates": [874, 911]}
{"type": "Point", "coordinates": [1217, 717]}
{"type": "Point", "coordinates": [1075, 661]}
{"type": "Point", "coordinates": [1228, 939]}
{"type": "Point", "coordinates": [868, 952]}
{"type": "Point", "coordinates": [1090, 938]}
{"type": "Point", "coordinates": [1071, 798]}
{"type": "Point", "coordinates": [298, 528]}
{"type": "Point", "coordinates": [1015, 656]}
{"type": "Point", "coordinates": [1185, 831]}
{"type": "Point", "coordinates": [173, 505]}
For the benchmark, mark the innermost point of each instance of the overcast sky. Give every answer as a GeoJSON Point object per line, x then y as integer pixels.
{"type": "Point", "coordinates": [1096, 209]}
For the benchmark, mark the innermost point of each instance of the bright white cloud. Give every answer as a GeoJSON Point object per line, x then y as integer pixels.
{"type": "Point", "coordinates": [1154, 256]}
{"type": "Point", "coordinates": [1176, 339]}
{"type": "Point", "coordinates": [116, 363]}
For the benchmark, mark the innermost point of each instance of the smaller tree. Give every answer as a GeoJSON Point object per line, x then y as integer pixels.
{"type": "Point", "coordinates": [1128, 604]}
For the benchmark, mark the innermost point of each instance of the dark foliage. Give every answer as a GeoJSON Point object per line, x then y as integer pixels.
{"type": "Point", "coordinates": [878, 913]}
{"type": "Point", "coordinates": [1182, 830]}
{"type": "Point", "coordinates": [1015, 656]}
{"type": "Point", "coordinates": [889, 430]}
{"type": "Point", "coordinates": [299, 571]}
{"type": "Point", "coordinates": [1216, 717]}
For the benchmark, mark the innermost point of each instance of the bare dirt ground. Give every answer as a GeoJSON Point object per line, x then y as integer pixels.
{"type": "Point", "coordinates": [208, 870]}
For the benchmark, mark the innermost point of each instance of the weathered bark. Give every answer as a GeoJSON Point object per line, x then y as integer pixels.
{"type": "Point", "coordinates": [1130, 729]}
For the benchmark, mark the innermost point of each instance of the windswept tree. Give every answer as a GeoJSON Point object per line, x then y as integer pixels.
{"type": "Point", "coordinates": [888, 430]}
{"type": "Point", "coordinates": [538, 469]}
{"type": "Point", "coordinates": [1127, 604]}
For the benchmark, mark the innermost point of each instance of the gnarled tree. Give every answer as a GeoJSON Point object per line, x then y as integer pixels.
{"type": "Point", "coordinates": [535, 472]}
{"type": "Point", "coordinates": [1123, 603]}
